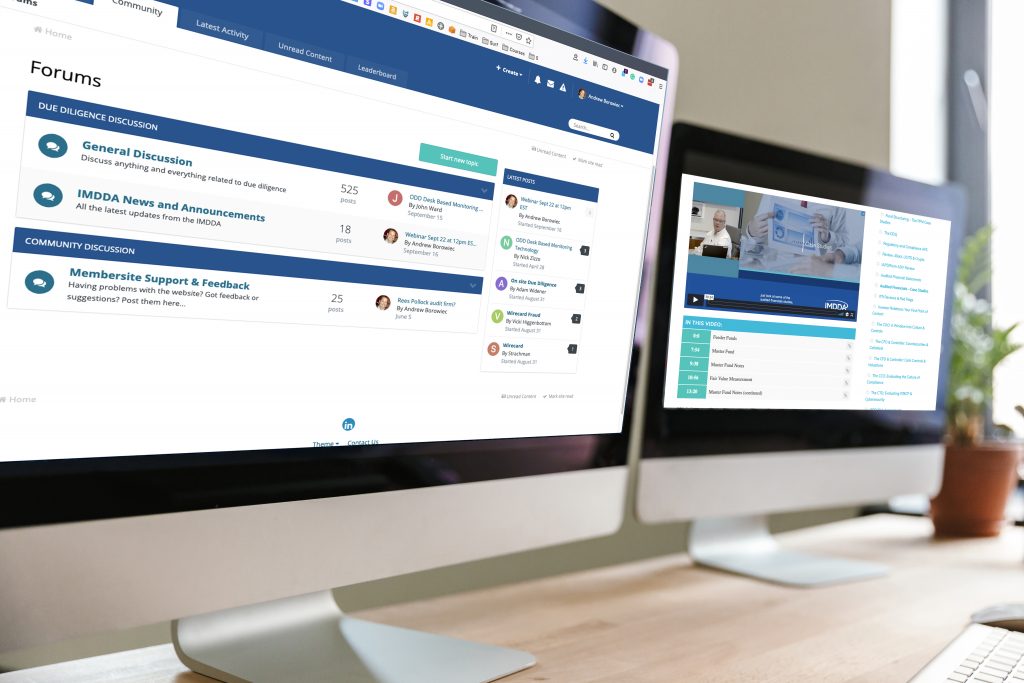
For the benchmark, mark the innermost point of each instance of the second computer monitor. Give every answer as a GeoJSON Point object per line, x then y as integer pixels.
{"type": "Point", "coordinates": [809, 371]}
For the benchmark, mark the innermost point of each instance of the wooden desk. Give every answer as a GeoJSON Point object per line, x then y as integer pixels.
{"type": "Point", "coordinates": [664, 620]}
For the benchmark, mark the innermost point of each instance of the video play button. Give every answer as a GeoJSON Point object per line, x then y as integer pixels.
{"type": "Point", "coordinates": [694, 299]}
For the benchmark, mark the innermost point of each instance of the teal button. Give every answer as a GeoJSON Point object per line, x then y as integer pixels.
{"type": "Point", "coordinates": [693, 377]}
{"type": "Point", "coordinates": [697, 336]}
{"type": "Point", "coordinates": [693, 364]}
{"type": "Point", "coordinates": [452, 158]}
{"type": "Point", "coordinates": [698, 350]}
{"type": "Point", "coordinates": [692, 391]}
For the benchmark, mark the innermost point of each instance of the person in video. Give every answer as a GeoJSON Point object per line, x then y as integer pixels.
{"type": "Point", "coordinates": [718, 236]}
{"type": "Point", "coordinates": [511, 201]}
{"type": "Point", "coordinates": [582, 93]}
{"type": "Point", "coordinates": [383, 302]}
{"type": "Point", "coordinates": [834, 239]}
{"type": "Point", "coordinates": [390, 235]}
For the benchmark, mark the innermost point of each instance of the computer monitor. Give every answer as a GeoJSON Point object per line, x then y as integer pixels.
{"type": "Point", "coordinates": [811, 371]}
{"type": "Point", "coordinates": [299, 295]}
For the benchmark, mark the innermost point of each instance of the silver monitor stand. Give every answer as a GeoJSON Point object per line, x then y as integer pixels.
{"type": "Point", "coordinates": [308, 638]}
{"type": "Point", "coordinates": [744, 545]}
{"type": "Point", "coordinates": [727, 497]}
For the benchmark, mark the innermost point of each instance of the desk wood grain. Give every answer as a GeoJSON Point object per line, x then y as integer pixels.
{"type": "Point", "coordinates": [664, 620]}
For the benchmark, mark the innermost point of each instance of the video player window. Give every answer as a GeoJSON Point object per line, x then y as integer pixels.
{"type": "Point", "coordinates": [792, 301]}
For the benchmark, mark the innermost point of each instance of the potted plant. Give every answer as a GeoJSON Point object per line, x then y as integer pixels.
{"type": "Point", "coordinates": [979, 475]}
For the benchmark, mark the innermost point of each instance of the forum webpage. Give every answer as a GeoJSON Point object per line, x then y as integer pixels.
{"type": "Point", "coordinates": [789, 301]}
{"type": "Point", "coordinates": [311, 224]}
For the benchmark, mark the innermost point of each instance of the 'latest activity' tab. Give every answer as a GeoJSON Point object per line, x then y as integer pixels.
{"type": "Point", "coordinates": [219, 28]}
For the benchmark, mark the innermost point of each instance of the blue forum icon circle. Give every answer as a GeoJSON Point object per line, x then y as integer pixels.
{"type": "Point", "coordinates": [39, 282]}
{"type": "Point", "coordinates": [53, 145]}
{"type": "Point", "coordinates": [348, 424]}
{"type": "Point", "coordinates": [48, 195]}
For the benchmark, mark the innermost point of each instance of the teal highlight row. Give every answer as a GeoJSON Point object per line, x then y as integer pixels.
{"type": "Point", "coordinates": [691, 323]}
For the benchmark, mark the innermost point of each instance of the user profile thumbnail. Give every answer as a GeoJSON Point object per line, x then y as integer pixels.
{"type": "Point", "coordinates": [383, 302]}
{"type": "Point", "coordinates": [511, 201]}
{"type": "Point", "coordinates": [390, 235]}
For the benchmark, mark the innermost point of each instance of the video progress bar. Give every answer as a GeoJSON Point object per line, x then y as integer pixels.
{"type": "Point", "coordinates": [766, 307]}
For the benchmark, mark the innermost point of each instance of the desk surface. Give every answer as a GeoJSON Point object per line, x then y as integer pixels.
{"type": "Point", "coordinates": [664, 620]}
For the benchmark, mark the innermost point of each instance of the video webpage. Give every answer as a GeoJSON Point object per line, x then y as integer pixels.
{"type": "Point", "coordinates": [789, 301]}
{"type": "Point", "coordinates": [274, 229]}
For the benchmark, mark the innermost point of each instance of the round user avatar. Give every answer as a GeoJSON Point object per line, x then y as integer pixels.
{"type": "Point", "coordinates": [383, 302]}
{"type": "Point", "coordinates": [493, 349]}
{"type": "Point", "coordinates": [582, 93]}
{"type": "Point", "coordinates": [506, 242]}
{"type": "Point", "coordinates": [48, 195]}
{"type": "Point", "coordinates": [501, 284]}
{"type": "Point", "coordinates": [511, 201]}
{"type": "Point", "coordinates": [39, 282]}
{"type": "Point", "coordinates": [53, 145]}
{"type": "Point", "coordinates": [394, 198]}
{"type": "Point", "coordinates": [497, 315]}
{"type": "Point", "coordinates": [390, 235]}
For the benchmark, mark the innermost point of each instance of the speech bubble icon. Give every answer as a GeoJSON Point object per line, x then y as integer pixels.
{"type": "Point", "coordinates": [53, 145]}
{"type": "Point", "coordinates": [39, 282]}
{"type": "Point", "coordinates": [47, 195]}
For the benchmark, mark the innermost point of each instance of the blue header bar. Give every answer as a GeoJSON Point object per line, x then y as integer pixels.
{"type": "Point", "coordinates": [93, 247]}
{"type": "Point", "coordinates": [382, 48]}
{"type": "Point", "coordinates": [78, 112]}
{"type": "Point", "coordinates": [532, 181]}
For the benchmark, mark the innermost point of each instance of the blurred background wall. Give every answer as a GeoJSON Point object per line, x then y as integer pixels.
{"type": "Point", "coordinates": [812, 74]}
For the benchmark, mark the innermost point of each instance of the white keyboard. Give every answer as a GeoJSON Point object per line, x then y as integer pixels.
{"type": "Point", "coordinates": [980, 654]}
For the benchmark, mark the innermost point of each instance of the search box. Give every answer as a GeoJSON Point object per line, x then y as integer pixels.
{"type": "Point", "coordinates": [593, 129]}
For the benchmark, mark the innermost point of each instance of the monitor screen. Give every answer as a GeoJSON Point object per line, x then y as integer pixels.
{"type": "Point", "coordinates": [789, 300]}
{"type": "Point", "coordinates": [802, 303]}
{"type": "Point", "coordinates": [248, 226]}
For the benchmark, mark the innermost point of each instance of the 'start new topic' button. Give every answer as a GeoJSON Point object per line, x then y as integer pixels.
{"type": "Point", "coordinates": [453, 158]}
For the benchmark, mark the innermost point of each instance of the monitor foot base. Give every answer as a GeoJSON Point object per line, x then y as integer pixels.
{"type": "Point", "coordinates": [308, 638]}
{"type": "Point", "coordinates": [743, 545]}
